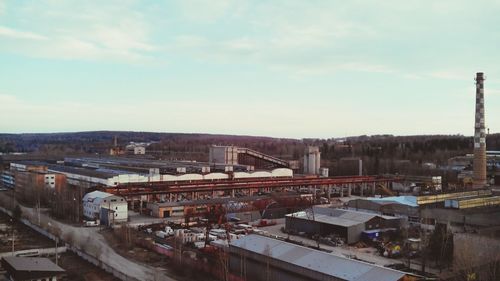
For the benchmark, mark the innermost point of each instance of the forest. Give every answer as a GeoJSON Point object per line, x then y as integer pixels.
{"type": "Point", "coordinates": [380, 153]}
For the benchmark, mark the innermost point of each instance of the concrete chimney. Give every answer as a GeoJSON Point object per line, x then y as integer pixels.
{"type": "Point", "coordinates": [479, 175]}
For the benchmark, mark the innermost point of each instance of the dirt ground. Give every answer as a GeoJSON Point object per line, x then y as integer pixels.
{"type": "Point", "coordinates": [134, 252]}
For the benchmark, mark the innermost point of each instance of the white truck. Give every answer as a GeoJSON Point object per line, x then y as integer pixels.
{"type": "Point", "coordinates": [169, 230]}
{"type": "Point", "coordinates": [166, 233]}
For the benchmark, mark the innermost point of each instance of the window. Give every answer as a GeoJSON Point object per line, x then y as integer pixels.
{"type": "Point", "coordinates": [413, 219]}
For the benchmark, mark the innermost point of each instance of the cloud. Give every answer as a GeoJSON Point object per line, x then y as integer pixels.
{"type": "Point", "coordinates": [83, 31]}
{"type": "Point", "coordinates": [451, 75]}
{"type": "Point", "coordinates": [19, 34]}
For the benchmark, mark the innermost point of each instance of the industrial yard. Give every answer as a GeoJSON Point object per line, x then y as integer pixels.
{"type": "Point", "coordinates": [186, 220]}
{"type": "Point", "coordinates": [249, 140]}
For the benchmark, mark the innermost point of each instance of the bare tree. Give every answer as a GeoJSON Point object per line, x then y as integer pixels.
{"type": "Point", "coordinates": [476, 257]}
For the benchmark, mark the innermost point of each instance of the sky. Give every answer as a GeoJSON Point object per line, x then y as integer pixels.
{"type": "Point", "coordinates": [288, 68]}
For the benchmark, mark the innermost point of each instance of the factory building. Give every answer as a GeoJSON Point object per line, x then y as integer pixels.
{"type": "Point", "coordinates": [136, 149]}
{"type": "Point", "coordinates": [312, 160]}
{"type": "Point", "coordinates": [223, 155]}
{"type": "Point", "coordinates": [405, 207]}
{"type": "Point", "coordinates": [233, 155]}
{"type": "Point", "coordinates": [111, 177]}
{"type": "Point", "coordinates": [460, 220]}
{"type": "Point", "coordinates": [34, 182]}
{"type": "Point", "coordinates": [106, 207]}
{"type": "Point", "coordinates": [347, 224]}
{"type": "Point", "coordinates": [473, 202]}
{"type": "Point", "coordinates": [260, 258]}
{"type": "Point", "coordinates": [479, 175]}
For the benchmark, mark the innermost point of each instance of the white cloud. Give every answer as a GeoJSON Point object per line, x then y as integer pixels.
{"type": "Point", "coordinates": [19, 34]}
{"type": "Point", "coordinates": [451, 75]}
{"type": "Point", "coordinates": [83, 31]}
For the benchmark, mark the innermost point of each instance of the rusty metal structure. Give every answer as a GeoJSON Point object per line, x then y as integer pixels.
{"type": "Point", "coordinates": [231, 186]}
{"type": "Point", "coordinates": [233, 155]}
{"type": "Point", "coordinates": [479, 174]}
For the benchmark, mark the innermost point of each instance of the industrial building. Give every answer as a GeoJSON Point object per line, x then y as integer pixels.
{"type": "Point", "coordinates": [28, 269]}
{"type": "Point", "coordinates": [136, 148]}
{"type": "Point", "coordinates": [472, 202]}
{"type": "Point", "coordinates": [461, 219]}
{"type": "Point", "coordinates": [405, 207]}
{"type": "Point", "coordinates": [34, 182]}
{"type": "Point", "coordinates": [479, 167]}
{"type": "Point", "coordinates": [312, 160]}
{"type": "Point", "coordinates": [105, 207]}
{"type": "Point", "coordinates": [233, 155]}
{"type": "Point", "coordinates": [160, 183]}
{"type": "Point", "coordinates": [346, 224]}
{"type": "Point", "coordinates": [260, 258]}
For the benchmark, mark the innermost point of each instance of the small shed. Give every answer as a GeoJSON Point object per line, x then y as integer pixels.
{"type": "Point", "coordinates": [23, 268]}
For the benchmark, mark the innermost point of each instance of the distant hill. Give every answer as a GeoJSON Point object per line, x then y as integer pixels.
{"type": "Point", "coordinates": [380, 153]}
{"type": "Point", "coordinates": [96, 141]}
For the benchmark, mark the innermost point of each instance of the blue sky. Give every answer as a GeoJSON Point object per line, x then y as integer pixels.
{"type": "Point", "coordinates": [277, 68]}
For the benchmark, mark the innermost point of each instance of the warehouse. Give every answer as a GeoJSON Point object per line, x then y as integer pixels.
{"type": "Point", "coordinates": [460, 219]}
{"type": "Point", "coordinates": [473, 202]}
{"type": "Point", "coordinates": [346, 224]}
{"type": "Point", "coordinates": [396, 206]}
{"type": "Point", "coordinates": [106, 207]}
{"type": "Point", "coordinates": [23, 268]}
{"type": "Point", "coordinates": [256, 257]}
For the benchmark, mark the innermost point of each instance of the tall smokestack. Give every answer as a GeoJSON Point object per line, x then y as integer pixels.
{"type": "Point", "coordinates": [479, 176]}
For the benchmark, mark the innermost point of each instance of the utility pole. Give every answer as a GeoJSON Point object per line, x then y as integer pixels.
{"type": "Point", "coordinates": [57, 238]}
{"type": "Point", "coordinates": [13, 236]}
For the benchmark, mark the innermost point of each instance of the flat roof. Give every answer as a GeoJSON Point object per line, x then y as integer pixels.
{"type": "Point", "coordinates": [410, 201]}
{"type": "Point", "coordinates": [30, 163]}
{"type": "Point", "coordinates": [97, 194]}
{"type": "Point", "coordinates": [82, 171]}
{"type": "Point", "coordinates": [340, 217]}
{"type": "Point", "coordinates": [32, 264]}
{"type": "Point", "coordinates": [325, 263]}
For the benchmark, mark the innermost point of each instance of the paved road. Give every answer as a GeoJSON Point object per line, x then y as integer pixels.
{"type": "Point", "coordinates": [93, 243]}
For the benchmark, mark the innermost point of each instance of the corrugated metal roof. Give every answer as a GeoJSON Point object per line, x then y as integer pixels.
{"type": "Point", "coordinates": [404, 200]}
{"type": "Point", "coordinates": [329, 264]}
{"type": "Point", "coordinates": [32, 264]}
{"type": "Point", "coordinates": [340, 217]}
{"type": "Point", "coordinates": [336, 220]}
{"type": "Point", "coordinates": [91, 196]}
